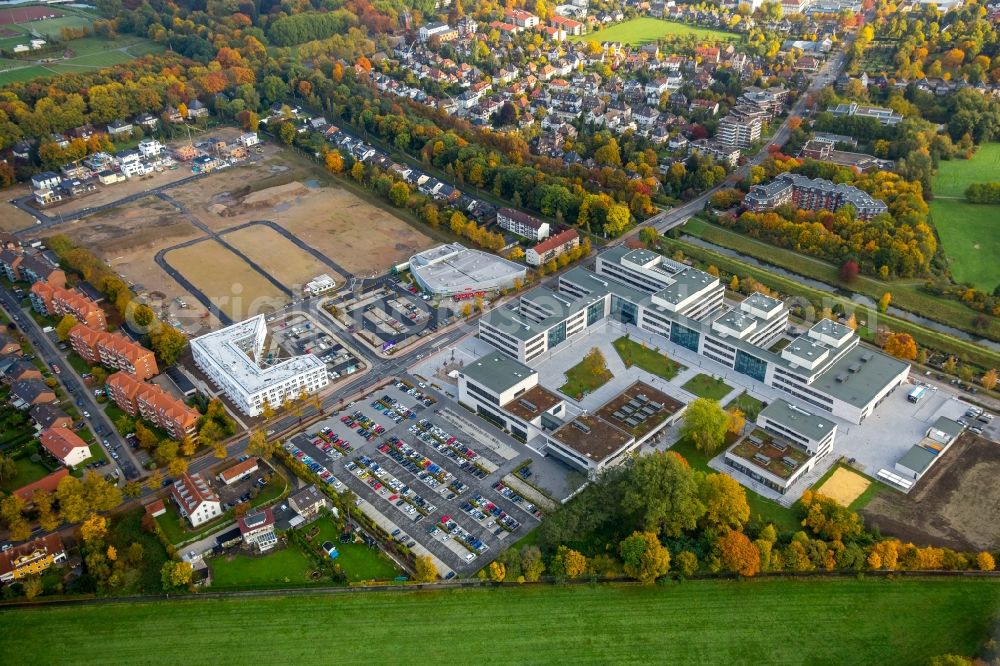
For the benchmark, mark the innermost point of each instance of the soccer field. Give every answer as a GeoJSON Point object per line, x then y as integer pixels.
{"type": "Point", "coordinates": [643, 30]}
{"type": "Point", "coordinates": [818, 621]}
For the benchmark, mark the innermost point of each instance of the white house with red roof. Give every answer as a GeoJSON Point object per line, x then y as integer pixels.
{"type": "Point", "coordinates": [195, 499]}
{"type": "Point", "coordinates": [257, 529]}
{"type": "Point", "coordinates": [65, 446]}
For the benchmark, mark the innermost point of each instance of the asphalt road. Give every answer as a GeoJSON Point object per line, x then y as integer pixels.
{"type": "Point", "coordinates": [78, 391]}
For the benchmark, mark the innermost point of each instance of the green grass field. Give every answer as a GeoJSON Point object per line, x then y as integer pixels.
{"type": "Point", "coordinates": [970, 239]}
{"type": "Point", "coordinates": [954, 176]}
{"type": "Point", "coordinates": [968, 236]}
{"type": "Point", "coordinates": [707, 386]}
{"type": "Point", "coordinates": [650, 360]}
{"type": "Point", "coordinates": [579, 381]}
{"type": "Point", "coordinates": [289, 566]}
{"type": "Point", "coordinates": [746, 403]}
{"type": "Point", "coordinates": [774, 621]}
{"type": "Point", "coordinates": [644, 30]}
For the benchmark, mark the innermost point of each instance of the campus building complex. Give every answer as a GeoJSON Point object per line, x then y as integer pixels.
{"type": "Point", "coordinates": [785, 445]}
{"type": "Point", "coordinates": [233, 359]}
{"type": "Point", "coordinates": [824, 367]}
{"type": "Point", "coordinates": [812, 194]}
{"type": "Point", "coordinates": [506, 392]}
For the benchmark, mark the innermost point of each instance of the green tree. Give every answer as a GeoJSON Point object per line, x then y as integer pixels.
{"type": "Point", "coordinates": [644, 557]}
{"type": "Point", "coordinates": [686, 563]}
{"type": "Point", "coordinates": [532, 565]}
{"type": "Point", "coordinates": [287, 133]}
{"type": "Point", "coordinates": [175, 574]}
{"type": "Point", "coordinates": [399, 193]}
{"type": "Point", "coordinates": [661, 492]}
{"type": "Point", "coordinates": [259, 446]}
{"type": "Point", "coordinates": [705, 423]}
{"type": "Point", "coordinates": [167, 342]}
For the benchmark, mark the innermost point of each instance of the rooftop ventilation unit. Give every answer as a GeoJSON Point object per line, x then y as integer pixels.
{"type": "Point", "coordinates": [582, 427]}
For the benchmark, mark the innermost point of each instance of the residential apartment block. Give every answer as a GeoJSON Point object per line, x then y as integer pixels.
{"type": "Point", "coordinates": [56, 302]}
{"type": "Point", "coordinates": [552, 247]}
{"type": "Point", "coordinates": [233, 359]}
{"type": "Point", "coordinates": [32, 558]}
{"type": "Point", "coordinates": [741, 127]}
{"type": "Point", "coordinates": [113, 350]}
{"type": "Point", "coordinates": [522, 224]}
{"type": "Point", "coordinates": [153, 404]}
{"type": "Point", "coordinates": [195, 499]}
{"type": "Point", "coordinates": [824, 367]}
{"type": "Point", "coordinates": [812, 194]}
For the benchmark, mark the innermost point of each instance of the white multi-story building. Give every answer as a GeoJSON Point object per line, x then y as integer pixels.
{"type": "Point", "coordinates": [786, 444]}
{"type": "Point", "coordinates": [151, 148]}
{"type": "Point", "coordinates": [824, 367]}
{"type": "Point", "coordinates": [233, 359]}
{"type": "Point", "coordinates": [195, 499]}
{"type": "Point", "coordinates": [522, 224]}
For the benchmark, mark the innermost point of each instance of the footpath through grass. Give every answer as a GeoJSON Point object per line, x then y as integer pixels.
{"type": "Point", "coordinates": [817, 621]}
{"type": "Point", "coordinates": [645, 29]}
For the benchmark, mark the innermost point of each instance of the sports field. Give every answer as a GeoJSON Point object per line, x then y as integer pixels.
{"type": "Point", "coordinates": [644, 30]}
{"type": "Point", "coordinates": [80, 55]}
{"type": "Point", "coordinates": [787, 622]}
{"type": "Point", "coordinates": [968, 231]}
{"type": "Point", "coordinates": [844, 486]}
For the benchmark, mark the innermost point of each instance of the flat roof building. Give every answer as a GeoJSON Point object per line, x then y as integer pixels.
{"type": "Point", "coordinates": [825, 368]}
{"type": "Point", "coordinates": [454, 269]}
{"type": "Point", "coordinates": [233, 359]}
{"type": "Point", "coordinates": [786, 444]}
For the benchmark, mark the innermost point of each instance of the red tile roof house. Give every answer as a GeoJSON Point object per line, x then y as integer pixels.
{"type": "Point", "coordinates": [195, 499]}
{"type": "Point", "coordinates": [156, 508]}
{"type": "Point", "coordinates": [65, 446]}
{"type": "Point", "coordinates": [46, 483]}
{"type": "Point", "coordinates": [257, 530]}
{"type": "Point", "coordinates": [239, 471]}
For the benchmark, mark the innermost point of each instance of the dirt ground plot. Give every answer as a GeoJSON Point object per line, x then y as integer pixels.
{"type": "Point", "coordinates": [844, 486]}
{"type": "Point", "coordinates": [14, 219]}
{"type": "Point", "coordinates": [282, 259]}
{"type": "Point", "coordinates": [228, 281]}
{"type": "Point", "coordinates": [128, 239]}
{"type": "Point", "coordinates": [295, 193]}
{"type": "Point", "coordinates": [957, 504]}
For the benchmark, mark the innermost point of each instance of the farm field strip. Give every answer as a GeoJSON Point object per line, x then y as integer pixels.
{"type": "Point", "coordinates": [792, 621]}
{"type": "Point", "coordinates": [645, 29]}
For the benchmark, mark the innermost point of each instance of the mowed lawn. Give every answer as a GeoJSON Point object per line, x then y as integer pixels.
{"type": "Point", "coordinates": [970, 235]}
{"type": "Point", "coordinates": [814, 621]}
{"type": "Point", "coordinates": [954, 176]}
{"type": "Point", "coordinates": [645, 30]}
{"type": "Point", "coordinates": [968, 231]}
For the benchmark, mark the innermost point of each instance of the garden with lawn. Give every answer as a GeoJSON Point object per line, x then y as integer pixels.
{"type": "Point", "coordinates": [807, 621]}
{"type": "Point", "coordinates": [644, 30]}
{"type": "Point", "coordinates": [651, 360]}
{"type": "Point", "coordinates": [746, 403]}
{"type": "Point", "coordinates": [587, 376]}
{"type": "Point", "coordinates": [707, 386]}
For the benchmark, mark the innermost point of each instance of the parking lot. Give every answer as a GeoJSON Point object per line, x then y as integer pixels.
{"type": "Point", "coordinates": [297, 335]}
{"type": "Point", "coordinates": [410, 465]}
{"type": "Point", "coordinates": [390, 314]}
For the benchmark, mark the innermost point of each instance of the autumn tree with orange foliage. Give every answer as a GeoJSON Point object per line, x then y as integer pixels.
{"type": "Point", "coordinates": [738, 554]}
